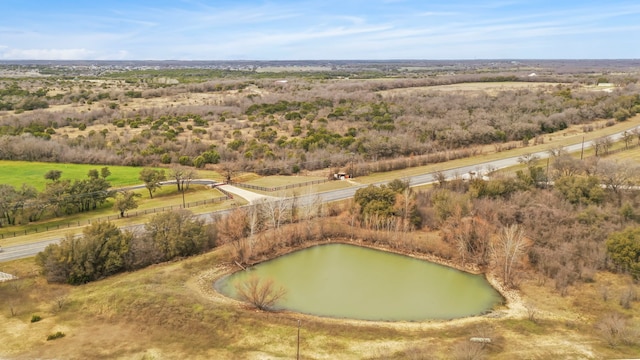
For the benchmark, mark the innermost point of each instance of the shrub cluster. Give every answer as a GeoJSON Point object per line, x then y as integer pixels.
{"type": "Point", "coordinates": [104, 250]}
{"type": "Point", "coordinates": [56, 335]}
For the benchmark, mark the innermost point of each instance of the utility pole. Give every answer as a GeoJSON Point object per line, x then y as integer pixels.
{"type": "Point", "coordinates": [582, 151]}
{"type": "Point", "coordinates": [351, 174]}
{"type": "Point", "coordinates": [547, 172]}
{"type": "Point", "coordinates": [183, 203]}
{"type": "Point", "coordinates": [298, 351]}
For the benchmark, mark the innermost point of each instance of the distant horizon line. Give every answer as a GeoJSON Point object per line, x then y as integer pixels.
{"type": "Point", "coordinates": [318, 60]}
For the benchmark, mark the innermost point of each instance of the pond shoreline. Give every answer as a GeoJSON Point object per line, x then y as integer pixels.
{"type": "Point", "coordinates": [512, 307]}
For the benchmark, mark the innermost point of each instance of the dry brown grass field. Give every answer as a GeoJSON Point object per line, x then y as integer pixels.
{"type": "Point", "coordinates": [492, 88]}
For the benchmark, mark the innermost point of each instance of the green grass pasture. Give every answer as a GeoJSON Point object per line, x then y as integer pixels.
{"type": "Point", "coordinates": [16, 173]}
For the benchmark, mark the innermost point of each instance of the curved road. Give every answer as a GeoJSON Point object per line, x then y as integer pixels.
{"type": "Point", "coordinates": [31, 249]}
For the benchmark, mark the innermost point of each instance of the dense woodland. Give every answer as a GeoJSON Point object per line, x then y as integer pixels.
{"type": "Point", "coordinates": [259, 124]}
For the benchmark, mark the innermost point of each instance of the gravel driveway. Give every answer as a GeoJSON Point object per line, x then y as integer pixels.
{"type": "Point", "coordinates": [250, 196]}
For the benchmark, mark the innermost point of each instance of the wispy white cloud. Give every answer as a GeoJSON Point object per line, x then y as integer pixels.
{"type": "Point", "coordinates": [323, 28]}
{"type": "Point", "coordinates": [46, 54]}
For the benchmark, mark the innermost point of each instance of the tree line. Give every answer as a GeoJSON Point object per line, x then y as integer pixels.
{"type": "Point", "coordinates": [63, 197]}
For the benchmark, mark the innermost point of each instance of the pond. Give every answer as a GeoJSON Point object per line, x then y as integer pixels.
{"type": "Point", "coordinates": [348, 281]}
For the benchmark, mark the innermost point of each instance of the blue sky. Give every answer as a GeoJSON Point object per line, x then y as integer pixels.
{"type": "Point", "coordinates": [318, 29]}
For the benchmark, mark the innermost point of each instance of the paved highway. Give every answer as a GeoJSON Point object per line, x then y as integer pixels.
{"type": "Point", "coordinates": [31, 249]}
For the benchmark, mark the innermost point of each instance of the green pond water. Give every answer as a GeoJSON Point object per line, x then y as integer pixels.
{"type": "Point", "coordinates": [347, 281]}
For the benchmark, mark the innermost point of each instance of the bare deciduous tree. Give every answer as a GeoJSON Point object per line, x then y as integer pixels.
{"type": "Point", "coordinates": [565, 165]}
{"type": "Point", "coordinates": [309, 208]}
{"type": "Point", "coordinates": [276, 211]}
{"type": "Point", "coordinates": [229, 169]}
{"type": "Point", "coordinates": [183, 176]}
{"type": "Point", "coordinates": [470, 235]}
{"type": "Point", "coordinates": [405, 207]}
{"type": "Point", "coordinates": [528, 159]}
{"type": "Point", "coordinates": [532, 312]}
{"type": "Point", "coordinates": [233, 229]}
{"type": "Point", "coordinates": [617, 176]}
{"type": "Point", "coordinates": [263, 294]}
{"type": "Point", "coordinates": [440, 177]}
{"type": "Point", "coordinates": [255, 222]}
{"type": "Point", "coordinates": [508, 249]}
{"type": "Point", "coordinates": [602, 145]}
{"type": "Point", "coordinates": [613, 327]}
{"type": "Point", "coordinates": [628, 295]}
{"type": "Point", "coordinates": [59, 301]}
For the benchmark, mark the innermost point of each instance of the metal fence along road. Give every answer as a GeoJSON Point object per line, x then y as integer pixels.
{"type": "Point", "coordinates": [278, 188]}
{"type": "Point", "coordinates": [130, 214]}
